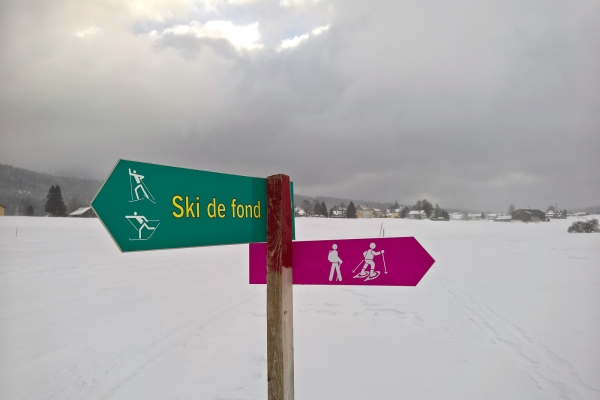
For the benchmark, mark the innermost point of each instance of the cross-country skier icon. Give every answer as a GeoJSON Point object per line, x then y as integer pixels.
{"type": "Point", "coordinates": [140, 222]}
{"type": "Point", "coordinates": [369, 256]}
{"type": "Point", "coordinates": [336, 262]}
{"type": "Point", "coordinates": [140, 186]}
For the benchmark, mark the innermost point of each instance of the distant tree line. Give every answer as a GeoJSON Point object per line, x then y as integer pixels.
{"type": "Point", "coordinates": [54, 204]}
{"type": "Point", "coordinates": [21, 188]}
{"type": "Point", "coordinates": [320, 209]}
{"type": "Point", "coordinates": [316, 208]}
{"type": "Point", "coordinates": [431, 211]}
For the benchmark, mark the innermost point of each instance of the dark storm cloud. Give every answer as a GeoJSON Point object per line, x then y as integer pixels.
{"type": "Point", "coordinates": [470, 105]}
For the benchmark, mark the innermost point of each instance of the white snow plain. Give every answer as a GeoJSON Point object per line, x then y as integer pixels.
{"type": "Point", "coordinates": [508, 311]}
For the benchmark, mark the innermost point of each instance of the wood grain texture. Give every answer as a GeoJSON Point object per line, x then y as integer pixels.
{"type": "Point", "coordinates": [280, 343]}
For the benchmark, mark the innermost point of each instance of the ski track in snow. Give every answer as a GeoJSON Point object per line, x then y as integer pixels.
{"type": "Point", "coordinates": [177, 338]}
{"type": "Point", "coordinates": [551, 373]}
{"type": "Point", "coordinates": [121, 368]}
{"type": "Point", "coordinates": [78, 320]}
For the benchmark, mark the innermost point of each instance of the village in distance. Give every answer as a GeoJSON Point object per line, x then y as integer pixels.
{"type": "Point", "coordinates": [423, 209]}
{"type": "Point", "coordinates": [29, 193]}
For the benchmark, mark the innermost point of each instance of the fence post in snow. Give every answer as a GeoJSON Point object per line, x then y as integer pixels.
{"type": "Point", "coordinates": [280, 338]}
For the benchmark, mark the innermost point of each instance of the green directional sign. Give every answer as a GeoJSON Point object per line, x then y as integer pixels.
{"type": "Point", "coordinates": [149, 207]}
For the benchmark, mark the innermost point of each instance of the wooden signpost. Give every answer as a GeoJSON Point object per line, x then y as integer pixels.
{"type": "Point", "coordinates": [150, 207]}
{"type": "Point", "coordinates": [280, 319]}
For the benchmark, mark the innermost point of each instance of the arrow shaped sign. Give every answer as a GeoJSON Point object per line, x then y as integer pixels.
{"type": "Point", "coordinates": [149, 206]}
{"type": "Point", "coordinates": [396, 261]}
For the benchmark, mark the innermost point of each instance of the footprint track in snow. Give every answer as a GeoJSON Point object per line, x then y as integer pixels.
{"type": "Point", "coordinates": [552, 374]}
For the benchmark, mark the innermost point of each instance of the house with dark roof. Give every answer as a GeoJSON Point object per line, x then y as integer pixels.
{"type": "Point", "coordinates": [528, 215]}
{"type": "Point", "coordinates": [83, 212]}
{"type": "Point", "coordinates": [337, 212]}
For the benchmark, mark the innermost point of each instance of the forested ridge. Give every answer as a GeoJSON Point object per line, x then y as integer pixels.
{"type": "Point", "coordinates": [20, 188]}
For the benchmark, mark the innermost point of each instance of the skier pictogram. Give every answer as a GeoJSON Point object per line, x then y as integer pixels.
{"type": "Point", "coordinates": [140, 222]}
{"type": "Point", "coordinates": [138, 187]}
{"type": "Point", "coordinates": [336, 262]}
{"type": "Point", "coordinates": [369, 255]}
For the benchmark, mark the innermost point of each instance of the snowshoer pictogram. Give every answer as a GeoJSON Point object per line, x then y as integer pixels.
{"type": "Point", "coordinates": [368, 261]}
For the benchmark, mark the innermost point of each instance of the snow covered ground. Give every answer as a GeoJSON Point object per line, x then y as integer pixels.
{"type": "Point", "coordinates": [508, 311]}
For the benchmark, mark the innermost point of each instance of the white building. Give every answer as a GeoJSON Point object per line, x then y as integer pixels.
{"type": "Point", "coordinates": [417, 215]}
{"type": "Point", "coordinates": [364, 212]}
{"type": "Point", "coordinates": [391, 214]}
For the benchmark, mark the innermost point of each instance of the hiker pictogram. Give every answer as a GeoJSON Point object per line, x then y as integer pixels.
{"type": "Point", "coordinates": [369, 261]}
{"type": "Point", "coordinates": [137, 187]}
{"type": "Point", "coordinates": [336, 262]}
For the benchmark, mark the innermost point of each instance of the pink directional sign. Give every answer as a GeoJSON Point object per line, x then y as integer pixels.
{"type": "Point", "coordinates": [398, 261]}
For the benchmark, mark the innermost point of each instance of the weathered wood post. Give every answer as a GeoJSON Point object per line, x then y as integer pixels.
{"type": "Point", "coordinates": [280, 339]}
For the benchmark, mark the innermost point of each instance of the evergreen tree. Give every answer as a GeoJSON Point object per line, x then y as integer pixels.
{"type": "Point", "coordinates": [49, 206]}
{"type": "Point", "coordinates": [61, 208]}
{"type": "Point", "coordinates": [482, 215]}
{"type": "Point", "coordinates": [54, 202]}
{"type": "Point", "coordinates": [317, 208]}
{"type": "Point", "coordinates": [351, 211]}
{"type": "Point", "coordinates": [396, 205]}
{"type": "Point", "coordinates": [29, 212]}
{"type": "Point", "coordinates": [511, 209]}
{"type": "Point", "coordinates": [324, 210]}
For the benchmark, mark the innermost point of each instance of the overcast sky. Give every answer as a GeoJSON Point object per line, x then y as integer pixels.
{"type": "Point", "coordinates": [471, 104]}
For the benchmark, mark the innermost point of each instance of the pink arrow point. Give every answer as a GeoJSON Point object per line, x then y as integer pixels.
{"type": "Point", "coordinates": [375, 262]}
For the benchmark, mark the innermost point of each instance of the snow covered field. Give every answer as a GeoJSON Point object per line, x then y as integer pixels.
{"type": "Point", "coordinates": [508, 311]}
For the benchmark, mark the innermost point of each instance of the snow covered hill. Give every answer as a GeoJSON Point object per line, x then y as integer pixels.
{"type": "Point", "coordinates": [508, 311]}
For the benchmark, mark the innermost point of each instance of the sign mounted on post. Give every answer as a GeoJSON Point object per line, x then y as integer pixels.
{"type": "Point", "coordinates": [149, 207]}
{"type": "Point", "coordinates": [396, 261]}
